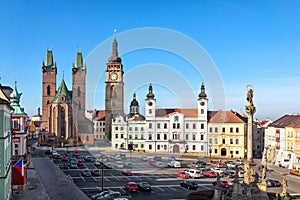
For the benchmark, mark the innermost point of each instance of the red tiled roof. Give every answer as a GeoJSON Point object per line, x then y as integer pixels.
{"type": "Point", "coordinates": [227, 117]}
{"type": "Point", "coordinates": [287, 120]}
{"type": "Point", "coordinates": [187, 112]}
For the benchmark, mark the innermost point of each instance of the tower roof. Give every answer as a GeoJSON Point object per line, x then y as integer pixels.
{"type": "Point", "coordinates": [202, 94]}
{"type": "Point", "coordinates": [134, 102]}
{"type": "Point", "coordinates": [50, 64]}
{"type": "Point", "coordinates": [79, 60]}
{"type": "Point", "coordinates": [114, 58]}
{"type": "Point", "coordinates": [15, 102]}
{"type": "Point", "coordinates": [150, 94]}
{"type": "Point", "coordinates": [63, 94]}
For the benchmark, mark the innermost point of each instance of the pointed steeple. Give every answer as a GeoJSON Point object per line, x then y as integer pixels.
{"type": "Point", "coordinates": [15, 101]}
{"type": "Point", "coordinates": [62, 91]}
{"type": "Point", "coordinates": [134, 106]}
{"type": "Point", "coordinates": [49, 58]}
{"type": "Point", "coordinates": [79, 60]}
{"type": "Point", "coordinates": [114, 55]}
{"type": "Point", "coordinates": [150, 92]}
{"type": "Point", "coordinates": [202, 93]}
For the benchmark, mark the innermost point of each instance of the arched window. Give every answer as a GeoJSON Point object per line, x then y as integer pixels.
{"type": "Point", "coordinates": [79, 105]}
{"type": "Point", "coordinates": [78, 91]}
{"type": "Point", "coordinates": [62, 122]}
{"type": "Point", "coordinates": [48, 90]}
{"type": "Point", "coordinates": [87, 138]}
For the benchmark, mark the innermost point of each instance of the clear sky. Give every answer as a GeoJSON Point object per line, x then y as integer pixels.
{"type": "Point", "coordinates": [248, 42]}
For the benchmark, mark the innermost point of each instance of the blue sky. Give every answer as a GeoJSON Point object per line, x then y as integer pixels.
{"type": "Point", "coordinates": [253, 43]}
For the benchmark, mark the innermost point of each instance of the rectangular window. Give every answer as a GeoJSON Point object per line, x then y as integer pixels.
{"type": "Point", "coordinates": [122, 136]}
{"type": "Point", "coordinates": [178, 125]}
{"type": "Point", "coordinates": [142, 146]}
{"type": "Point", "coordinates": [216, 129]}
{"type": "Point", "coordinates": [216, 140]}
{"type": "Point", "coordinates": [136, 136]}
{"type": "Point", "coordinates": [165, 125]}
{"type": "Point", "coordinates": [237, 130]}
{"type": "Point", "coordinates": [158, 125]}
{"type": "Point", "coordinates": [165, 147]}
{"type": "Point", "coordinates": [216, 151]}
{"type": "Point", "coordinates": [223, 130]}
{"type": "Point", "coordinates": [210, 129]}
{"type": "Point", "coordinates": [174, 125]}
{"type": "Point", "coordinates": [231, 141]}
{"type": "Point", "coordinates": [210, 140]}
{"type": "Point", "coordinates": [158, 136]}
{"type": "Point", "coordinates": [142, 128]}
{"type": "Point", "coordinates": [236, 141]}
{"type": "Point", "coordinates": [202, 126]}
{"type": "Point", "coordinates": [150, 111]}
{"type": "Point", "coordinates": [237, 152]}
{"type": "Point", "coordinates": [116, 136]}
{"type": "Point", "coordinates": [194, 137]}
{"type": "Point", "coordinates": [116, 128]}
{"type": "Point", "coordinates": [186, 125]}
{"type": "Point", "coordinates": [202, 148]}
{"type": "Point", "coordinates": [136, 128]}
{"type": "Point", "coordinates": [150, 125]}
{"type": "Point", "coordinates": [165, 136]}
{"type": "Point", "coordinates": [130, 128]}
{"type": "Point", "coordinates": [142, 136]}
{"type": "Point", "coordinates": [122, 128]}
{"type": "Point", "coordinates": [194, 126]}
{"type": "Point", "coordinates": [187, 137]}
{"type": "Point", "coordinates": [194, 147]}
{"type": "Point", "coordinates": [223, 141]}
{"type": "Point", "coordinates": [201, 137]}
{"type": "Point", "coordinates": [150, 136]}
{"type": "Point", "coordinates": [231, 130]}
{"type": "Point", "coordinates": [158, 147]}
{"type": "Point", "coordinates": [202, 111]}
{"type": "Point", "coordinates": [150, 146]}
{"type": "Point", "coordinates": [130, 137]}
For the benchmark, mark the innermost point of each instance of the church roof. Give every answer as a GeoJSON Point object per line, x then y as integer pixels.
{"type": "Point", "coordinates": [15, 102]}
{"type": "Point", "coordinates": [62, 92]}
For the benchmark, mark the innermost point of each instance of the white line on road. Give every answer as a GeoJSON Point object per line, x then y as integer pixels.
{"type": "Point", "coordinates": [172, 189]}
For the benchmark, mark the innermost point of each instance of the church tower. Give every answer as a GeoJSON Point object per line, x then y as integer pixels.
{"type": "Point", "coordinates": [49, 71]}
{"type": "Point", "coordinates": [114, 88]}
{"type": "Point", "coordinates": [150, 104]}
{"type": "Point", "coordinates": [202, 104]}
{"type": "Point", "coordinates": [78, 89]}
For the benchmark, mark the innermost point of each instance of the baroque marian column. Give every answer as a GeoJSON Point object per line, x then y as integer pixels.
{"type": "Point", "coordinates": [249, 165]}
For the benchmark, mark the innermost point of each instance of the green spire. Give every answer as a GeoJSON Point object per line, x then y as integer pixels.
{"type": "Point", "coordinates": [49, 58]}
{"type": "Point", "coordinates": [15, 101]}
{"type": "Point", "coordinates": [79, 60]}
{"type": "Point", "coordinates": [63, 94]}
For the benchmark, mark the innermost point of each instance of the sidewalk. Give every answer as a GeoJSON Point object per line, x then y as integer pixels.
{"type": "Point", "coordinates": [46, 181]}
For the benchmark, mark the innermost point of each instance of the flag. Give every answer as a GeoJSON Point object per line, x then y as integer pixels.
{"type": "Point", "coordinates": [20, 166]}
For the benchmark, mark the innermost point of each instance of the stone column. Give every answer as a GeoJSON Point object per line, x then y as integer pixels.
{"type": "Point", "coordinates": [249, 165]}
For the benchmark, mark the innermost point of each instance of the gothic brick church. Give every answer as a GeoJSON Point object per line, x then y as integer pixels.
{"type": "Point", "coordinates": [63, 111]}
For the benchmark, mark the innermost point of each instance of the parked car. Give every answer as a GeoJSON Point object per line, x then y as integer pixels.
{"type": "Point", "coordinates": [128, 164]}
{"type": "Point", "coordinates": [228, 173]}
{"type": "Point", "coordinates": [101, 194]}
{"type": "Point", "coordinates": [88, 158]}
{"type": "Point", "coordinates": [189, 184]}
{"type": "Point", "coordinates": [144, 158]}
{"type": "Point", "coordinates": [119, 165]}
{"type": "Point", "coordinates": [230, 164]}
{"type": "Point", "coordinates": [158, 164]}
{"type": "Point", "coordinates": [96, 172]}
{"type": "Point", "coordinates": [86, 172]}
{"type": "Point", "coordinates": [209, 173]}
{"type": "Point", "coordinates": [56, 155]}
{"type": "Point", "coordinates": [75, 153]}
{"type": "Point", "coordinates": [171, 158]}
{"type": "Point", "coordinates": [64, 158]}
{"type": "Point", "coordinates": [193, 173]}
{"type": "Point", "coordinates": [273, 183]}
{"type": "Point", "coordinates": [144, 187]}
{"type": "Point", "coordinates": [151, 162]}
{"type": "Point", "coordinates": [80, 163]}
{"type": "Point", "coordinates": [174, 163]}
{"type": "Point", "coordinates": [238, 162]}
{"type": "Point", "coordinates": [127, 173]}
{"type": "Point", "coordinates": [123, 156]}
{"type": "Point", "coordinates": [157, 158]}
{"type": "Point", "coordinates": [223, 184]}
{"type": "Point", "coordinates": [73, 164]}
{"type": "Point", "coordinates": [97, 162]}
{"type": "Point", "coordinates": [131, 187]}
{"type": "Point", "coordinates": [217, 170]}
{"type": "Point", "coordinates": [112, 195]}
{"type": "Point", "coordinates": [183, 174]}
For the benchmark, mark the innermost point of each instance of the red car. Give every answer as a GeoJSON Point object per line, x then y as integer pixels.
{"type": "Point", "coordinates": [131, 187]}
{"type": "Point", "coordinates": [210, 174]}
{"type": "Point", "coordinates": [224, 184]}
{"type": "Point", "coordinates": [182, 175]}
{"type": "Point", "coordinates": [127, 173]}
{"type": "Point", "coordinates": [151, 162]}
{"type": "Point", "coordinates": [80, 163]}
{"type": "Point", "coordinates": [75, 153]}
{"type": "Point", "coordinates": [64, 158]}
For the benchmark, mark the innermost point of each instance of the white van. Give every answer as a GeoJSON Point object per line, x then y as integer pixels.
{"type": "Point", "coordinates": [284, 162]}
{"type": "Point", "coordinates": [174, 163]}
{"type": "Point", "coordinates": [193, 173]}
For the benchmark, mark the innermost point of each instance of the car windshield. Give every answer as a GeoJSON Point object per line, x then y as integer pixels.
{"type": "Point", "coordinates": [146, 185]}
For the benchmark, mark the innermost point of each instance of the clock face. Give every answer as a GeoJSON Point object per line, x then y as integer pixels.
{"type": "Point", "coordinates": [150, 103]}
{"type": "Point", "coordinates": [202, 103]}
{"type": "Point", "coordinates": [113, 76]}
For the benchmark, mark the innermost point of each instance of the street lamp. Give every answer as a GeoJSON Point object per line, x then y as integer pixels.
{"type": "Point", "coordinates": [210, 146]}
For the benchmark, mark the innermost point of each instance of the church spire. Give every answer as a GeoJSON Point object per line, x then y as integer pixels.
{"type": "Point", "coordinates": [114, 55]}
{"type": "Point", "coordinates": [150, 93]}
{"type": "Point", "coordinates": [202, 94]}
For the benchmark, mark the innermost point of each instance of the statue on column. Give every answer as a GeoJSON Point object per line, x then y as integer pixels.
{"type": "Point", "coordinates": [250, 109]}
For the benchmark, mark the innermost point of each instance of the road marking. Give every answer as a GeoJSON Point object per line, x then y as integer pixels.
{"type": "Point", "coordinates": [160, 189]}
{"type": "Point", "coordinates": [124, 191]}
{"type": "Point", "coordinates": [82, 178]}
{"type": "Point", "coordinates": [95, 179]}
{"type": "Point", "coordinates": [172, 189]}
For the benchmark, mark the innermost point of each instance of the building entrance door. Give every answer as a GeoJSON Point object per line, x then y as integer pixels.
{"type": "Point", "coordinates": [176, 149]}
{"type": "Point", "coordinates": [223, 152]}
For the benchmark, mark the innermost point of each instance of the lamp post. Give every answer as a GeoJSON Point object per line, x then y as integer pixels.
{"type": "Point", "coordinates": [210, 145]}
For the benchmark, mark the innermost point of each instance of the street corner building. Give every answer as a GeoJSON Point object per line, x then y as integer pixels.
{"type": "Point", "coordinates": [63, 111]}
